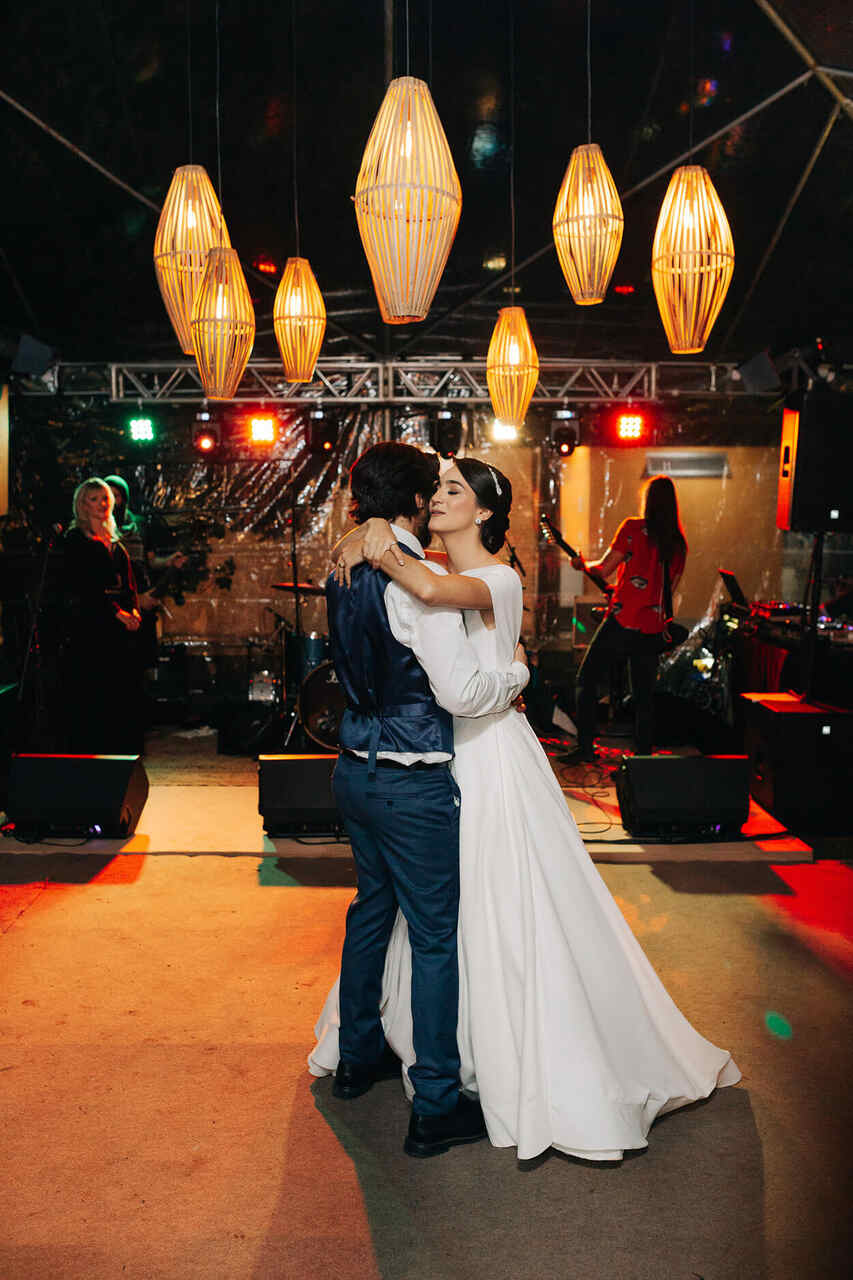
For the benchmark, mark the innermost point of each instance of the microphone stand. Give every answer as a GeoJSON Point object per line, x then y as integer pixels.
{"type": "Point", "coordinates": [33, 644]}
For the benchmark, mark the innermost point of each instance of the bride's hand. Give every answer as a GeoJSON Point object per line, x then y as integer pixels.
{"type": "Point", "coordinates": [521, 654]}
{"type": "Point", "coordinates": [379, 538]}
{"type": "Point", "coordinates": [350, 553]}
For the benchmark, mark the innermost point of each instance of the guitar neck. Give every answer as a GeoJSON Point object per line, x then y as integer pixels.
{"type": "Point", "coordinates": [600, 581]}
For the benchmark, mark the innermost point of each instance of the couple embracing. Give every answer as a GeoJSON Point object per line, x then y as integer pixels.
{"type": "Point", "coordinates": [484, 960]}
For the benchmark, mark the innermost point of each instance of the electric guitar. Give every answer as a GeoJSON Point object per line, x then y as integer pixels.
{"type": "Point", "coordinates": [552, 534]}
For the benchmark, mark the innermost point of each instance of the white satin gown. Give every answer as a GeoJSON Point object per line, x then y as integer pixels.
{"type": "Point", "coordinates": [565, 1030]}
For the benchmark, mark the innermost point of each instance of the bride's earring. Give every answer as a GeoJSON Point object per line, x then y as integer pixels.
{"type": "Point", "coordinates": [478, 519]}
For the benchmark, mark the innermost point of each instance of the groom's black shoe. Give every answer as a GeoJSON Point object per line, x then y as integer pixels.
{"type": "Point", "coordinates": [580, 755]}
{"type": "Point", "coordinates": [354, 1079]}
{"type": "Point", "coordinates": [433, 1135]}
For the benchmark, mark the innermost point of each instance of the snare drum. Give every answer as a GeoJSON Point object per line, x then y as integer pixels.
{"type": "Point", "coordinates": [322, 703]}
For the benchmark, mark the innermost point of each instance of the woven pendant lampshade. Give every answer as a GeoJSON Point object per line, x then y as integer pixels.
{"type": "Point", "coordinates": [407, 201]}
{"type": "Point", "coordinates": [512, 366]}
{"type": "Point", "coordinates": [693, 258]}
{"type": "Point", "coordinates": [190, 223]}
{"type": "Point", "coordinates": [299, 320]}
{"type": "Point", "coordinates": [223, 324]}
{"type": "Point", "coordinates": [588, 225]}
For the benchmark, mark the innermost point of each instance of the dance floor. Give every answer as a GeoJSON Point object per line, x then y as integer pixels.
{"type": "Point", "coordinates": [156, 1005]}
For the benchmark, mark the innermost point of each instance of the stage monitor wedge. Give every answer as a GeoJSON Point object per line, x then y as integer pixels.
{"type": "Point", "coordinates": [76, 795]}
{"type": "Point", "coordinates": [295, 795]}
{"type": "Point", "coordinates": [677, 798]}
{"type": "Point", "coordinates": [815, 492]}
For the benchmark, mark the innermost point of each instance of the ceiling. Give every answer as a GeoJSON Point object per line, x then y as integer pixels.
{"type": "Point", "coordinates": [75, 249]}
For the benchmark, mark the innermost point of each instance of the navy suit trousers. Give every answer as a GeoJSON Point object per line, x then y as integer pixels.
{"type": "Point", "coordinates": [404, 828]}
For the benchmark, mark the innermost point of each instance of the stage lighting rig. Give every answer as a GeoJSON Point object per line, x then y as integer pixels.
{"type": "Point", "coordinates": [207, 434]}
{"type": "Point", "coordinates": [445, 433]}
{"type": "Point", "coordinates": [263, 429]}
{"type": "Point", "coordinates": [627, 425]}
{"type": "Point", "coordinates": [141, 430]}
{"type": "Point", "coordinates": [322, 432]}
{"type": "Point", "coordinates": [565, 432]}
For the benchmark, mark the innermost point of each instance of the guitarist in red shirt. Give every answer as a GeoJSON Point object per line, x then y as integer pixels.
{"type": "Point", "coordinates": [644, 548]}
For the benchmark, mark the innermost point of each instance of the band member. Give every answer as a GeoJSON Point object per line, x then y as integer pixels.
{"type": "Point", "coordinates": [101, 614]}
{"type": "Point", "coordinates": [635, 615]}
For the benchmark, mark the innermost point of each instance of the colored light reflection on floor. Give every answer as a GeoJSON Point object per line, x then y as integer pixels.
{"type": "Point", "coordinates": [819, 910]}
{"type": "Point", "coordinates": [778, 1026]}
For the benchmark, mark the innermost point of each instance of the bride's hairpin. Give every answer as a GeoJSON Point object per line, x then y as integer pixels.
{"type": "Point", "coordinates": [494, 476]}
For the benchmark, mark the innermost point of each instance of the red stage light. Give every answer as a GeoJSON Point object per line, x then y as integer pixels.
{"type": "Point", "coordinates": [266, 265]}
{"type": "Point", "coordinates": [630, 426]}
{"type": "Point", "coordinates": [623, 288]}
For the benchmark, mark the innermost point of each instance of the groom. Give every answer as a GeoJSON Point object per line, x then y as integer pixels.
{"type": "Point", "coordinates": [405, 669]}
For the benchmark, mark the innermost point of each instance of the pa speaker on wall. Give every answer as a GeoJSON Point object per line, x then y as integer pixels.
{"type": "Point", "coordinates": [816, 463]}
{"type": "Point", "coordinates": [676, 798]}
{"type": "Point", "coordinates": [295, 794]}
{"type": "Point", "coordinates": [76, 795]}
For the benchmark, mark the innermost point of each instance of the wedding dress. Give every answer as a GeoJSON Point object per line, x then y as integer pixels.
{"type": "Point", "coordinates": [565, 1030]}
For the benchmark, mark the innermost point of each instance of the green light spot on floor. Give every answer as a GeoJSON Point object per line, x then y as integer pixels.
{"type": "Point", "coordinates": [777, 1025]}
{"type": "Point", "coordinates": [271, 873]}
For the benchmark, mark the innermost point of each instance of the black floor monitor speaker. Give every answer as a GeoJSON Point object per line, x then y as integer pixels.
{"type": "Point", "coordinates": [801, 761]}
{"type": "Point", "coordinates": [295, 795]}
{"type": "Point", "coordinates": [675, 798]}
{"type": "Point", "coordinates": [816, 463]}
{"type": "Point", "coordinates": [76, 795]}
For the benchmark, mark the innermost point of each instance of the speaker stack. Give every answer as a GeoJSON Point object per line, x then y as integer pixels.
{"type": "Point", "coordinates": [295, 795]}
{"type": "Point", "coordinates": [815, 493]}
{"type": "Point", "coordinates": [801, 761]}
{"type": "Point", "coordinates": [678, 798]}
{"type": "Point", "coordinates": [76, 795]}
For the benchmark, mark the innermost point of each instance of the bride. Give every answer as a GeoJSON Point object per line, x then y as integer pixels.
{"type": "Point", "coordinates": [565, 1031]}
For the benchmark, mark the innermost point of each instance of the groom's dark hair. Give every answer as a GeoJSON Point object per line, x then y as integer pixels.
{"type": "Point", "coordinates": [385, 479]}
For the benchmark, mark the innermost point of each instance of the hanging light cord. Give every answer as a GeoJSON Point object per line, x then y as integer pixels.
{"type": "Point", "coordinates": [189, 83]}
{"type": "Point", "coordinates": [512, 144]}
{"type": "Point", "coordinates": [692, 86]}
{"type": "Point", "coordinates": [218, 105]}
{"type": "Point", "coordinates": [588, 72]}
{"type": "Point", "coordinates": [293, 118]}
{"type": "Point", "coordinates": [408, 40]}
{"type": "Point", "coordinates": [429, 42]}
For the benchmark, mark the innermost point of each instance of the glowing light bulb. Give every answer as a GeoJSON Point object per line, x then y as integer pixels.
{"type": "Point", "coordinates": [514, 355]}
{"type": "Point", "coordinates": [221, 303]}
{"type": "Point", "coordinates": [294, 303]}
{"type": "Point", "coordinates": [407, 141]}
{"type": "Point", "coordinates": [191, 219]}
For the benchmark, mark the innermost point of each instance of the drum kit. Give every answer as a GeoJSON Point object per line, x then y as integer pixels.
{"type": "Point", "coordinates": [309, 692]}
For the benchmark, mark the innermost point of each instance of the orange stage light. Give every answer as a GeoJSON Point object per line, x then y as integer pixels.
{"type": "Point", "coordinates": [262, 430]}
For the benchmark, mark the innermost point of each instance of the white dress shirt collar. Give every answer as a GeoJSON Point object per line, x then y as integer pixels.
{"type": "Point", "coordinates": [408, 540]}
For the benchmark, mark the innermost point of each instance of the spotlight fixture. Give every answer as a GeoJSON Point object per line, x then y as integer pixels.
{"type": "Point", "coordinates": [141, 430]}
{"type": "Point", "coordinates": [262, 430]}
{"type": "Point", "coordinates": [445, 433]}
{"type": "Point", "coordinates": [565, 434]}
{"type": "Point", "coordinates": [504, 432]}
{"type": "Point", "coordinates": [322, 432]}
{"type": "Point", "coordinates": [630, 426]}
{"type": "Point", "coordinates": [206, 434]}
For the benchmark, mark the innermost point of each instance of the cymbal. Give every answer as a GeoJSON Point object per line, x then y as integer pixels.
{"type": "Point", "coordinates": [304, 588]}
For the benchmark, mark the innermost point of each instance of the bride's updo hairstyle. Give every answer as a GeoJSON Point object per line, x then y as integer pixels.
{"type": "Point", "coordinates": [494, 492]}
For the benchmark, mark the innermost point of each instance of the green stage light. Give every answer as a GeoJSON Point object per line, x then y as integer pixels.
{"type": "Point", "coordinates": [141, 430]}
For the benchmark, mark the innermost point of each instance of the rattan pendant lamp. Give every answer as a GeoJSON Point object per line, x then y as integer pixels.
{"type": "Point", "coordinates": [408, 199]}
{"type": "Point", "coordinates": [588, 220]}
{"type": "Point", "coordinates": [512, 363]}
{"type": "Point", "coordinates": [299, 313]}
{"type": "Point", "coordinates": [693, 259]}
{"type": "Point", "coordinates": [223, 318]}
{"type": "Point", "coordinates": [190, 224]}
{"type": "Point", "coordinates": [693, 255]}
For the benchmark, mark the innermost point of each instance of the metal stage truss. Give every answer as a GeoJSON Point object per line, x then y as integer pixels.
{"type": "Point", "coordinates": [440, 381]}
